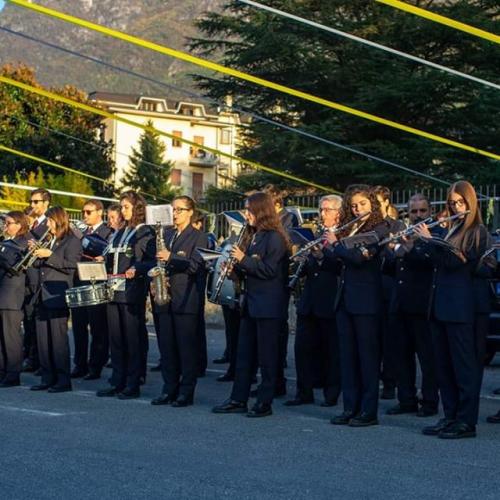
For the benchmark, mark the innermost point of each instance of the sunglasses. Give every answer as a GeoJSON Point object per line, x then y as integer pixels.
{"type": "Point", "coordinates": [88, 212]}
{"type": "Point", "coordinates": [36, 201]}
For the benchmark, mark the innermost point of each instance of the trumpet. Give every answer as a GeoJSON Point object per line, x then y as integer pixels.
{"type": "Point", "coordinates": [30, 257]}
{"type": "Point", "coordinates": [334, 230]}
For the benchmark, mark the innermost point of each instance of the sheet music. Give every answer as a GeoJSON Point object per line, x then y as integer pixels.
{"type": "Point", "coordinates": [159, 213]}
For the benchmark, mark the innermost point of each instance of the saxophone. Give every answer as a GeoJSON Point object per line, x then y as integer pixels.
{"type": "Point", "coordinates": [160, 286]}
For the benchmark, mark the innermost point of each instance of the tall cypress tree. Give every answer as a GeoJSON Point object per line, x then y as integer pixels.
{"type": "Point", "coordinates": [149, 172]}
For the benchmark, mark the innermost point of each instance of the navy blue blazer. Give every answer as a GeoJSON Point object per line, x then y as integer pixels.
{"type": "Point", "coordinates": [452, 294]}
{"type": "Point", "coordinates": [320, 287]}
{"type": "Point", "coordinates": [185, 270]}
{"type": "Point", "coordinates": [12, 287]}
{"type": "Point", "coordinates": [360, 287]}
{"type": "Point", "coordinates": [265, 272]}
{"type": "Point", "coordinates": [412, 272]}
{"type": "Point", "coordinates": [56, 273]}
{"type": "Point", "coordinates": [32, 274]}
{"type": "Point", "coordinates": [140, 254]}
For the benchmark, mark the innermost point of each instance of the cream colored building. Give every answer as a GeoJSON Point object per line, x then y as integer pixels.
{"type": "Point", "coordinates": [194, 168]}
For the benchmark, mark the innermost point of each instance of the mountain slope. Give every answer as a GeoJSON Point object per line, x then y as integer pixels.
{"type": "Point", "coordinates": [167, 22]}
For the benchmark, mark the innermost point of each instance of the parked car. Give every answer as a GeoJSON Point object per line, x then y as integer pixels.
{"type": "Point", "coordinates": [493, 340]}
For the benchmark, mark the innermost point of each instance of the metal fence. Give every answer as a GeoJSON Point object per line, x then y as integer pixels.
{"type": "Point", "coordinates": [488, 197]}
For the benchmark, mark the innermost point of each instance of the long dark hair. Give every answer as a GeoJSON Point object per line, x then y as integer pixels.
{"type": "Point", "coordinates": [139, 204]}
{"type": "Point", "coordinates": [468, 235]}
{"type": "Point", "coordinates": [21, 219]}
{"type": "Point", "coordinates": [346, 214]}
{"type": "Point", "coordinates": [266, 219]}
{"type": "Point", "coordinates": [61, 218]}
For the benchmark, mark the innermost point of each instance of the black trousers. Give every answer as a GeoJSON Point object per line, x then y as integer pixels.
{"type": "Point", "coordinates": [317, 343]}
{"type": "Point", "coordinates": [11, 345]}
{"type": "Point", "coordinates": [179, 346]}
{"type": "Point", "coordinates": [91, 319]}
{"type": "Point", "coordinates": [53, 345]}
{"type": "Point", "coordinates": [144, 342]}
{"type": "Point", "coordinates": [457, 370]}
{"type": "Point", "coordinates": [414, 338]}
{"type": "Point", "coordinates": [258, 341]}
{"type": "Point", "coordinates": [389, 349]}
{"type": "Point", "coordinates": [232, 329]}
{"type": "Point", "coordinates": [282, 353]}
{"type": "Point", "coordinates": [202, 340]}
{"type": "Point", "coordinates": [30, 347]}
{"type": "Point", "coordinates": [359, 343]}
{"type": "Point", "coordinates": [125, 330]}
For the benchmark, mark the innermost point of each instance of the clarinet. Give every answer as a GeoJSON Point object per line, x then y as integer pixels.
{"type": "Point", "coordinates": [223, 276]}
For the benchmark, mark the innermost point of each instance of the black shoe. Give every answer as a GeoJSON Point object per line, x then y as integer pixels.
{"type": "Point", "coordinates": [343, 419]}
{"type": "Point", "coordinates": [298, 401]}
{"type": "Point", "coordinates": [142, 380]}
{"type": "Point", "coordinates": [220, 361]}
{"type": "Point", "coordinates": [230, 406]}
{"type": "Point", "coordinates": [182, 401]}
{"type": "Point", "coordinates": [327, 403]}
{"type": "Point", "coordinates": [4, 384]}
{"type": "Point", "coordinates": [401, 409]}
{"type": "Point", "coordinates": [201, 374]}
{"type": "Point", "coordinates": [78, 373]}
{"type": "Point", "coordinates": [260, 410]}
{"type": "Point", "coordinates": [92, 376]}
{"type": "Point", "coordinates": [129, 393]}
{"type": "Point", "coordinates": [427, 411]}
{"type": "Point", "coordinates": [494, 419]}
{"type": "Point", "coordinates": [458, 430]}
{"type": "Point", "coordinates": [38, 372]}
{"type": "Point", "coordinates": [40, 387]}
{"type": "Point", "coordinates": [434, 430]}
{"type": "Point", "coordinates": [254, 393]}
{"type": "Point", "coordinates": [225, 378]}
{"type": "Point", "coordinates": [60, 388]}
{"type": "Point", "coordinates": [164, 399]}
{"type": "Point", "coordinates": [363, 420]}
{"type": "Point", "coordinates": [388, 393]}
{"type": "Point", "coordinates": [496, 392]}
{"type": "Point", "coordinates": [110, 392]}
{"type": "Point", "coordinates": [109, 365]}
{"type": "Point", "coordinates": [156, 368]}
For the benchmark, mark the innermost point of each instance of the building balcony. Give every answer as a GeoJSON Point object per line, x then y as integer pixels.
{"type": "Point", "coordinates": [202, 158]}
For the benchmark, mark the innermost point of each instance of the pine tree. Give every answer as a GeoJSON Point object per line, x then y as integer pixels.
{"type": "Point", "coordinates": [148, 172]}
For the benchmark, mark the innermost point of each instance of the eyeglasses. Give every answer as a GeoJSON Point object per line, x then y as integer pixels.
{"type": "Point", "coordinates": [419, 210]}
{"type": "Point", "coordinates": [36, 201]}
{"type": "Point", "coordinates": [88, 212]}
{"type": "Point", "coordinates": [457, 203]}
{"type": "Point", "coordinates": [328, 210]}
{"type": "Point", "coordinates": [11, 222]}
{"type": "Point", "coordinates": [179, 210]}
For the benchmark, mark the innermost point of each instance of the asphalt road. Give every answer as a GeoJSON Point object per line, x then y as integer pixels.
{"type": "Point", "coordinates": [77, 446]}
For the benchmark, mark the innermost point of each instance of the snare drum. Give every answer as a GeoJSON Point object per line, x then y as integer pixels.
{"type": "Point", "coordinates": [89, 295]}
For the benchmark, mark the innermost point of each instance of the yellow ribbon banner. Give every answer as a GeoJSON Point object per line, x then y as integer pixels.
{"type": "Point", "coordinates": [471, 30]}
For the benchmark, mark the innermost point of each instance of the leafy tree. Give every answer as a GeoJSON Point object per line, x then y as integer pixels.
{"type": "Point", "coordinates": [28, 122]}
{"type": "Point", "coordinates": [347, 72]}
{"type": "Point", "coordinates": [12, 198]}
{"type": "Point", "coordinates": [149, 172]}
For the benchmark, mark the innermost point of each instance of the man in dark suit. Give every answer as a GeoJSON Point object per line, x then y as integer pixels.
{"type": "Point", "coordinates": [40, 201]}
{"type": "Point", "coordinates": [316, 340]}
{"type": "Point", "coordinates": [412, 271]}
{"type": "Point", "coordinates": [91, 318]}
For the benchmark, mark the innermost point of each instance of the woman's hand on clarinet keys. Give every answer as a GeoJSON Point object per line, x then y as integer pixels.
{"type": "Point", "coordinates": [237, 253]}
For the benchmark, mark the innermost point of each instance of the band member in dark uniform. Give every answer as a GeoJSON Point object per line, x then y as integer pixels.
{"type": "Point", "coordinates": [12, 288]}
{"type": "Point", "coordinates": [198, 220]}
{"type": "Point", "coordinates": [453, 312]}
{"type": "Point", "coordinates": [316, 339]}
{"type": "Point", "coordinates": [39, 203]}
{"type": "Point", "coordinates": [359, 309]}
{"type": "Point", "coordinates": [412, 269]}
{"type": "Point", "coordinates": [263, 265]}
{"type": "Point", "coordinates": [115, 219]}
{"type": "Point", "coordinates": [56, 265]}
{"type": "Point", "coordinates": [389, 327]}
{"type": "Point", "coordinates": [91, 318]}
{"type": "Point", "coordinates": [179, 318]}
{"type": "Point", "coordinates": [130, 253]}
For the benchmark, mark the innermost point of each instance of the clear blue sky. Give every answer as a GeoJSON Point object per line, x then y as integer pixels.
{"type": "Point", "coordinates": [1, 4]}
